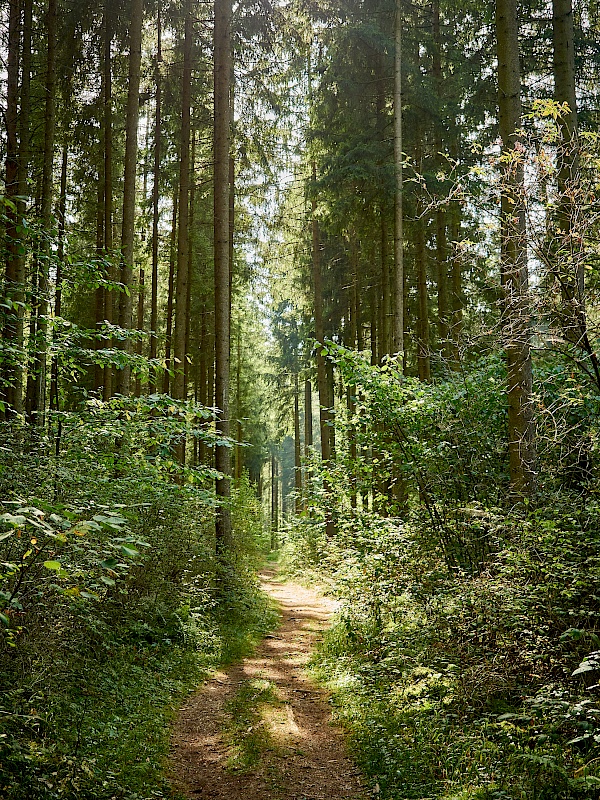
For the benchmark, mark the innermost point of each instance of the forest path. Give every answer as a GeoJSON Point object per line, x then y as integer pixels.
{"type": "Point", "coordinates": [263, 729]}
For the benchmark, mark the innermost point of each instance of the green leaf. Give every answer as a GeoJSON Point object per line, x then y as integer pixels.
{"type": "Point", "coordinates": [108, 581]}
{"type": "Point", "coordinates": [53, 565]}
{"type": "Point", "coordinates": [129, 551]}
{"type": "Point", "coordinates": [4, 619]}
{"type": "Point", "coordinates": [109, 563]}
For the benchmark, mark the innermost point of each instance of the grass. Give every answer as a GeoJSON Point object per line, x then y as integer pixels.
{"type": "Point", "coordinates": [415, 740]}
{"type": "Point", "coordinates": [246, 729]}
{"type": "Point", "coordinates": [93, 721]}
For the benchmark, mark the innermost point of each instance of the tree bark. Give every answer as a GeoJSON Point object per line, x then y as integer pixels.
{"type": "Point", "coordinates": [183, 240]}
{"type": "Point", "coordinates": [109, 297]}
{"type": "Point", "coordinates": [398, 215]}
{"type": "Point", "coordinates": [297, 447]}
{"type": "Point", "coordinates": [10, 375]}
{"type": "Point", "coordinates": [516, 312]}
{"type": "Point", "coordinates": [222, 267]}
{"type": "Point", "coordinates": [324, 413]}
{"type": "Point", "coordinates": [153, 377]}
{"type": "Point", "coordinates": [170, 297]}
{"type": "Point", "coordinates": [38, 405]}
{"type": "Point", "coordinates": [129, 185]}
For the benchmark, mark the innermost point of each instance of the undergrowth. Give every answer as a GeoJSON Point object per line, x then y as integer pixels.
{"type": "Point", "coordinates": [113, 606]}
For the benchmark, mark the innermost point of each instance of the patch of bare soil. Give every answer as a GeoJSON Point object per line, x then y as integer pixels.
{"type": "Point", "coordinates": [294, 752]}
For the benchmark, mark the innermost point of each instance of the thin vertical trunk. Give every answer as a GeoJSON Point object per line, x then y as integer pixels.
{"type": "Point", "coordinates": [385, 345]}
{"type": "Point", "coordinates": [274, 503]}
{"type": "Point", "coordinates": [109, 297]}
{"type": "Point", "coordinates": [325, 417]}
{"type": "Point", "coordinates": [565, 249]}
{"type": "Point", "coordinates": [183, 240]}
{"type": "Point", "coordinates": [203, 376]}
{"type": "Point", "coordinates": [170, 298]}
{"type": "Point", "coordinates": [222, 277]}
{"type": "Point", "coordinates": [238, 399]}
{"type": "Point", "coordinates": [440, 214]}
{"type": "Point", "coordinates": [39, 365]}
{"type": "Point", "coordinates": [308, 420]}
{"type": "Point", "coordinates": [188, 364]}
{"type": "Point", "coordinates": [423, 362]}
{"type": "Point", "coordinates": [373, 330]}
{"type": "Point", "coordinates": [10, 376]}
{"type": "Point", "coordinates": [297, 447]}
{"type": "Point", "coordinates": [62, 216]}
{"type": "Point", "coordinates": [129, 183]}
{"type": "Point", "coordinates": [23, 191]}
{"type": "Point", "coordinates": [152, 378]}
{"type": "Point", "coordinates": [398, 216]}
{"type": "Point", "coordinates": [140, 327]}
{"type": "Point", "coordinates": [514, 256]}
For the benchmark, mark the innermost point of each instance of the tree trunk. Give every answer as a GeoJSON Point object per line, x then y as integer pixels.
{"type": "Point", "coordinates": [153, 377]}
{"type": "Point", "coordinates": [109, 297]}
{"type": "Point", "coordinates": [23, 192]}
{"type": "Point", "coordinates": [274, 503]}
{"type": "Point", "coordinates": [423, 361]}
{"type": "Point", "coordinates": [398, 215]}
{"type": "Point", "coordinates": [440, 214]}
{"type": "Point", "coordinates": [297, 447]}
{"type": "Point", "coordinates": [170, 298]}
{"type": "Point", "coordinates": [324, 414]}
{"type": "Point", "coordinates": [38, 408]}
{"type": "Point", "coordinates": [140, 327]}
{"type": "Point", "coordinates": [514, 256]}
{"type": "Point", "coordinates": [222, 278]}
{"type": "Point", "coordinates": [129, 183]}
{"type": "Point", "coordinates": [62, 217]}
{"type": "Point", "coordinates": [183, 240]}
{"type": "Point", "coordinates": [10, 387]}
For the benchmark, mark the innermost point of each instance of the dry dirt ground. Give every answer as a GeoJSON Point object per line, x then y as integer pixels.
{"type": "Point", "coordinates": [263, 729]}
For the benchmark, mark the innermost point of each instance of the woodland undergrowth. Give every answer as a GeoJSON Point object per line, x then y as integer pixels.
{"type": "Point", "coordinates": [463, 661]}
{"type": "Point", "coordinates": [112, 602]}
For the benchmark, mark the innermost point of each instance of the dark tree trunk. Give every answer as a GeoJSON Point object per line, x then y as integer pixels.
{"type": "Point", "coordinates": [514, 257]}
{"type": "Point", "coordinates": [183, 239]}
{"type": "Point", "coordinates": [222, 234]}
{"type": "Point", "coordinates": [123, 375]}
{"type": "Point", "coordinates": [153, 377]}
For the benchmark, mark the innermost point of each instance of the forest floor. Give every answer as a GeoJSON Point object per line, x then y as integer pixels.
{"type": "Point", "coordinates": [263, 729]}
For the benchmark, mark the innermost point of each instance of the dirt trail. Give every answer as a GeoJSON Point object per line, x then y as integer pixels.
{"type": "Point", "coordinates": [293, 752]}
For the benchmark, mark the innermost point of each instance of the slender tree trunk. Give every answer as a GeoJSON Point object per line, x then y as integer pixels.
{"type": "Point", "coordinates": [109, 297]}
{"type": "Point", "coordinates": [203, 376]}
{"type": "Point", "coordinates": [183, 239]}
{"type": "Point", "coordinates": [274, 503]}
{"type": "Point", "coordinates": [153, 377]}
{"type": "Point", "coordinates": [238, 401]}
{"type": "Point", "coordinates": [398, 216]}
{"type": "Point", "coordinates": [170, 297]}
{"type": "Point", "coordinates": [222, 148]}
{"type": "Point", "coordinates": [514, 256]}
{"type": "Point", "coordinates": [440, 214]}
{"type": "Point", "coordinates": [297, 447]}
{"type": "Point", "coordinates": [189, 363]}
{"type": "Point", "coordinates": [39, 398]}
{"type": "Point", "coordinates": [324, 404]}
{"type": "Point", "coordinates": [308, 420]}
{"type": "Point", "coordinates": [457, 290]}
{"type": "Point", "coordinates": [62, 217]}
{"type": "Point", "coordinates": [423, 361]}
{"type": "Point", "coordinates": [129, 183]}
{"type": "Point", "coordinates": [565, 249]}
{"type": "Point", "coordinates": [23, 193]}
{"type": "Point", "coordinates": [140, 326]}
{"type": "Point", "coordinates": [10, 387]}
